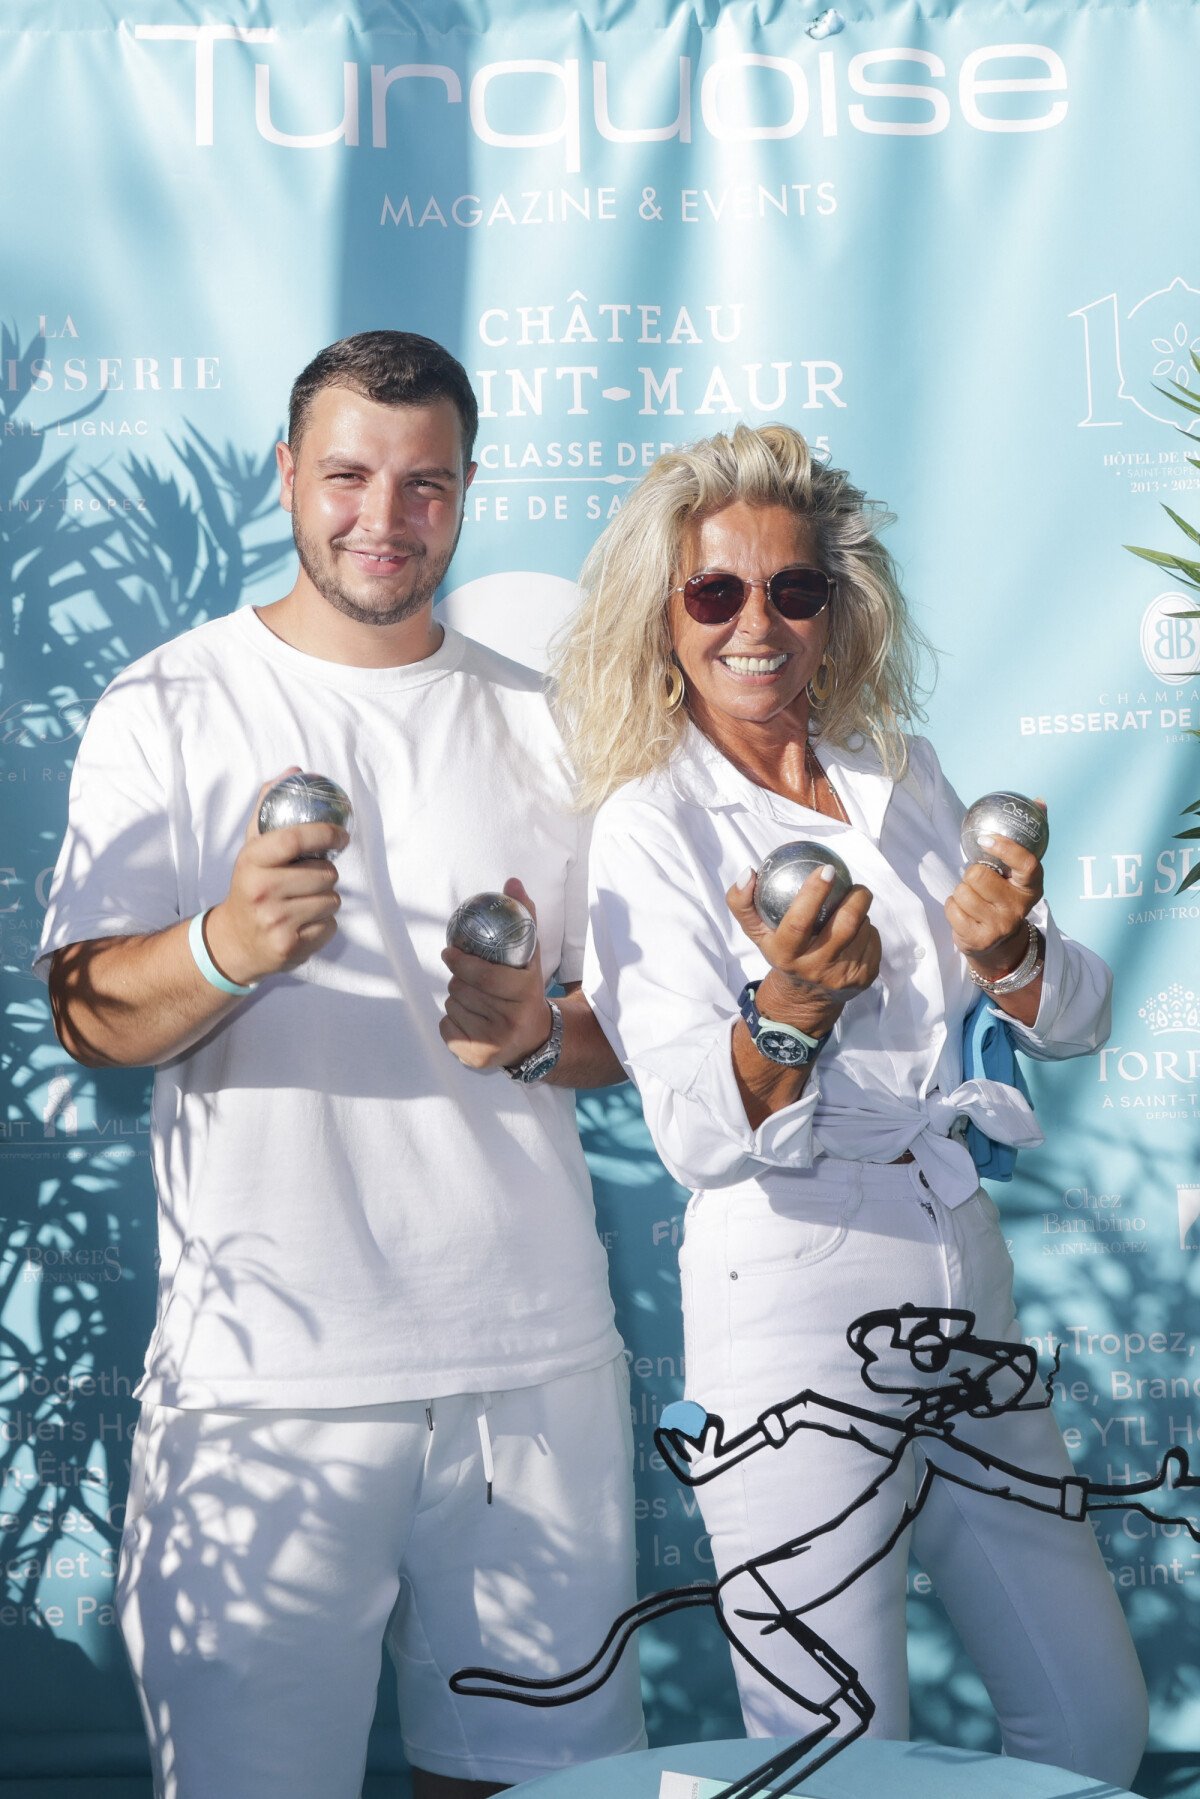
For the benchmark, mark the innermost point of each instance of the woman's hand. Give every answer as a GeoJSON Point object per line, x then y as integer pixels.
{"type": "Point", "coordinates": [987, 911]}
{"type": "Point", "coordinates": [815, 969]}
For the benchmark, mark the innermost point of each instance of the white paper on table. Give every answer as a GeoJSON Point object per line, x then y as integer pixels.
{"type": "Point", "coordinates": [688, 1786]}
{"type": "Point", "coordinates": [696, 1786]}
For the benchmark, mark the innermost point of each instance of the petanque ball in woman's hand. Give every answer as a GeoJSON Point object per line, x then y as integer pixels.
{"type": "Point", "coordinates": [784, 873]}
{"type": "Point", "coordinates": [1003, 815]}
{"type": "Point", "coordinates": [495, 927]}
{"type": "Point", "coordinates": [305, 800]}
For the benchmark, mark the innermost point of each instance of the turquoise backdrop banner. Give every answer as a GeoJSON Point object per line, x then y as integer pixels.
{"type": "Point", "coordinates": [957, 245]}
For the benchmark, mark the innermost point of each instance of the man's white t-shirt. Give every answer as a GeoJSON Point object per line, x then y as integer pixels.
{"type": "Point", "coordinates": [347, 1216]}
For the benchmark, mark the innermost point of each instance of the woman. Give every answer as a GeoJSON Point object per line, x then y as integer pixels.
{"type": "Point", "coordinates": [735, 679]}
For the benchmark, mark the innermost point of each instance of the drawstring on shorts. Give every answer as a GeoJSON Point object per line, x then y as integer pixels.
{"type": "Point", "coordinates": [482, 1402]}
{"type": "Point", "coordinates": [485, 1444]}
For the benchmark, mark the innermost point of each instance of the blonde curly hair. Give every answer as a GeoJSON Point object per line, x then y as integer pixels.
{"type": "Point", "coordinates": [611, 664]}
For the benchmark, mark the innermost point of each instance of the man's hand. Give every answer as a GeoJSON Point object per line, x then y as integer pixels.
{"type": "Point", "coordinates": [137, 1001]}
{"type": "Point", "coordinates": [495, 1015]}
{"type": "Point", "coordinates": [279, 910]}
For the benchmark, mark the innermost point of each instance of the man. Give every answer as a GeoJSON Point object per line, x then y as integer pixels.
{"type": "Point", "coordinates": [384, 1399]}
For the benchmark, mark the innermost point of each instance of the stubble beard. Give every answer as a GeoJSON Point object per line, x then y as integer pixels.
{"type": "Point", "coordinates": [318, 565]}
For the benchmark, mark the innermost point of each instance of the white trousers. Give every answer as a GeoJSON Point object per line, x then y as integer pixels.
{"type": "Point", "coordinates": [769, 1290]}
{"type": "Point", "coordinates": [268, 1556]}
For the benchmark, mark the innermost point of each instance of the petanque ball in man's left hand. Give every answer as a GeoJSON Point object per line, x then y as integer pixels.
{"type": "Point", "coordinates": [494, 927]}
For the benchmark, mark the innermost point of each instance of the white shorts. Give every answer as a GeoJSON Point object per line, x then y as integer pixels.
{"type": "Point", "coordinates": [268, 1556]}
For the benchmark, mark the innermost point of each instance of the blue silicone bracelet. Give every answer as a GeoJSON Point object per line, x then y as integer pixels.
{"type": "Point", "coordinates": [205, 963]}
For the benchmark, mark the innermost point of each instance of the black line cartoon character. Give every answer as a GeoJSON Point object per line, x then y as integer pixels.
{"type": "Point", "coordinates": [975, 1377]}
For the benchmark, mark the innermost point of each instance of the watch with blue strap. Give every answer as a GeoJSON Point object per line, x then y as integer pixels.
{"type": "Point", "coordinates": [781, 1043]}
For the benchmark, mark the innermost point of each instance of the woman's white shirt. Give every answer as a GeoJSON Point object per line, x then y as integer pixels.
{"type": "Point", "coordinates": [666, 962]}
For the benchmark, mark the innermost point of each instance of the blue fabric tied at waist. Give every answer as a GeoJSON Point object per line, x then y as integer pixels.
{"type": "Point", "coordinates": [988, 1054]}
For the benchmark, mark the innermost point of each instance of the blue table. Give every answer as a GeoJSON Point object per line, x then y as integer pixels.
{"type": "Point", "coordinates": [872, 1769]}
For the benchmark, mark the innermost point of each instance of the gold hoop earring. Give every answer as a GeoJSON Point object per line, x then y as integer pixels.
{"type": "Point", "coordinates": [820, 688]}
{"type": "Point", "coordinates": [675, 688]}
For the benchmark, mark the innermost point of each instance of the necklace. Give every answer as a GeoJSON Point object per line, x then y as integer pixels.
{"type": "Point", "coordinates": [816, 775]}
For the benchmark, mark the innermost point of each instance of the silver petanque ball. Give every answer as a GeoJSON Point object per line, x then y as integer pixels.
{"type": "Point", "coordinates": [495, 927]}
{"type": "Point", "coordinates": [305, 800]}
{"type": "Point", "coordinates": [1003, 815]}
{"type": "Point", "coordinates": [784, 873]}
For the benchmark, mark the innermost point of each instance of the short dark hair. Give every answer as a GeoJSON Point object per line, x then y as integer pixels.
{"type": "Point", "coordinates": [393, 368]}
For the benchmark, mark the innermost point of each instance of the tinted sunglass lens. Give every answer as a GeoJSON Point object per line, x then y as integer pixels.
{"type": "Point", "coordinates": [717, 596]}
{"type": "Point", "coordinates": [799, 592]}
{"type": "Point", "coordinates": [713, 599]}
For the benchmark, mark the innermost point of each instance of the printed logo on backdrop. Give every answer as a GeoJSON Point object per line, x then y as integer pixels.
{"type": "Point", "coordinates": [734, 92]}
{"type": "Point", "coordinates": [1127, 356]}
{"type": "Point", "coordinates": [1188, 1201]}
{"type": "Point", "coordinates": [579, 394]}
{"type": "Point", "coordinates": [18, 944]}
{"type": "Point", "coordinates": [1092, 1224]}
{"type": "Point", "coordinates": [60, 365]}
{"type": "Point", "coordinates": [1167, 707]}
{"type": "Point", "coordinates": [643, 373]}
{"type": "Point", "coordinates": [1170, 642]}
{"type": "Point", "coordinates": [1170, 647]}
{"type": "Point", "coordinates": [1129, 349]}
{"type": "Point", "coordinates": [1152, 875]}
{"type": "Point", "coordinates": [21, 917]}
{"type": "Point", "coordinates": [1155, 1077]}
{"type": "Point", "coordinates": [137, 517]}
{"type": "Point", "coordinates": [58, 1122]}
{"type": "Point", "coordinates": [82, 490]}
{"type": "Point", "coordinates": [1153, 341]}
{"type": "Point", "coordinates": [59, 1111]}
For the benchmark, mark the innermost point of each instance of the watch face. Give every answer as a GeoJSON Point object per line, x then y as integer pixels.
{"type": "Point", "coordinates": [534, 1067]}
{"type": "Point", "coordinates": [781, 1047]}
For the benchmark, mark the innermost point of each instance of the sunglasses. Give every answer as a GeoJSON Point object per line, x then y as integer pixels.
{"type": "Point", "coordinates": [713, 597]}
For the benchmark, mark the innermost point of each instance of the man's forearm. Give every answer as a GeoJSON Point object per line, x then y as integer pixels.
{"type": "Point", "coordinates": [587, 1058]}
{"type": "Point", "coordinates": [132, 1002]}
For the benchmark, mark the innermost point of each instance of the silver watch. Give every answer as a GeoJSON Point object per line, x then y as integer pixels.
{"type": "Point", "coordinates": [541, 1061]}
